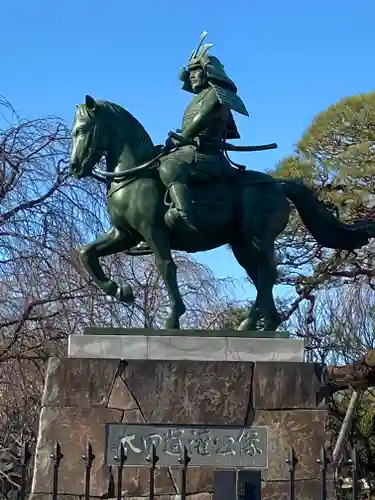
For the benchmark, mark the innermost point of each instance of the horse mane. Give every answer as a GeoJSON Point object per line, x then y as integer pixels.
{"type": "Point", "coordinates": [127, 117]}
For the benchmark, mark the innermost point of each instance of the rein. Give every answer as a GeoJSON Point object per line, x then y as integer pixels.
{"type": "Point", "coordinates": [128, 176]}
{"type": "Point", "coordinates": [118, 176]}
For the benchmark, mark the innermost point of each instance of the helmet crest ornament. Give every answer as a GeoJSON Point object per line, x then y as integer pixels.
{"type": "Point", "coordinates": [198, 54]}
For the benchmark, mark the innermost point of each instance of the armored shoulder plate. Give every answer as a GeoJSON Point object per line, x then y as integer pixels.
{"type": "Point", "coordinates": [229, 98]}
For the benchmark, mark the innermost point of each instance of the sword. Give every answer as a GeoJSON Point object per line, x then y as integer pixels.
{"type": "Point", "coordinates": [231, 147]}
{"type": "Point", "coordinates": [224, 146]}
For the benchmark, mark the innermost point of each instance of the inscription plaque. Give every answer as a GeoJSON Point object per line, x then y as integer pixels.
{"type": "Point", "coordinates": [219, 446]}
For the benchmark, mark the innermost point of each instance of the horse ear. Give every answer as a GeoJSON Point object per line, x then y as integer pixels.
{"type": "Point", "coordinates": [90, 102]}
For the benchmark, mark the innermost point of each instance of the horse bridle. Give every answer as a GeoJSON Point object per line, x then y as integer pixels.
{"type": "Point", "coordinates": [94, 152]}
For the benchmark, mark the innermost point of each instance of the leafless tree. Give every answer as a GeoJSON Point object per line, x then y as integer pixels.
{"type": "Point", "coordinates": [342, 327]}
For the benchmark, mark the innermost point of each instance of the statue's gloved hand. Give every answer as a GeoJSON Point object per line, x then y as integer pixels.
{"type": "Point", "coordinates": [179, 140]}
{"type": "Point", "coordinates": [171, 143]}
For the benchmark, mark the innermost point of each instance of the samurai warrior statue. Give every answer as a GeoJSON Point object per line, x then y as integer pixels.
{"type": "Point", "coordinates": [207, 122]}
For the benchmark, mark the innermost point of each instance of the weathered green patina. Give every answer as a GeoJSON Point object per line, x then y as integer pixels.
{"type": "Point", "coordinates": [187, 196]}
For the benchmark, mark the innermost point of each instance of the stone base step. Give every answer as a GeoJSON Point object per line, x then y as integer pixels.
{"type": "Point", "coordinates": [173, 347]}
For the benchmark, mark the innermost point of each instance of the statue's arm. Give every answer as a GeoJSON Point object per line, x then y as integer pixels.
{"type": "Point", "coordinates": [209, 102]}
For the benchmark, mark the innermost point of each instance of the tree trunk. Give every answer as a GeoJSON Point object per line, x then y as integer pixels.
{"type": "Point", "coordinates": [359, 374]}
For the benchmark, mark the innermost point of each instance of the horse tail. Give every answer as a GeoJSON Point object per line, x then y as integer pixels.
{"type": "Point", "coordinates": [327, 229]}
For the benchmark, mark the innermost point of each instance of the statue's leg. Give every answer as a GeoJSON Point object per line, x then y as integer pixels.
{"type": "Point", "coordinates": [174, 173]}
{"type": "Point", "coordinates": [260, 266]}
{"type": "Point", "coordinates": [267, 276]}
{"type": "Point", "coordinates": [158, 240]}
{"type": "Point", "coordinates": [265, 213]}
{"type": "Point", "coordinates": [113, 241]}
{"type": "Point", "coordinates": [247, 259]}
{"type": "Point", "coordinates": [268, 216]}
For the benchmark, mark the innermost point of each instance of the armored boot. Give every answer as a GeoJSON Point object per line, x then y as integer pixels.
{"type": "Point", "coordinates": [182, 209]}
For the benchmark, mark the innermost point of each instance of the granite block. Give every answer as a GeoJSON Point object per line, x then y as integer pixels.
{"type": "Point", "coordinates": [72, 428]}
{"type": "Point", "coordinates": [287, 386]}
{"type": "Point", "coordinates": [185, 348]}
{"type": "Point", "coordinates": [190, 392]}
{"type": "Point", "coordinates": [82, 383]}
{"type": "Point", "coordinates": [264, 349]}
{"type": "Point", "coordinates": [109, 347]}
{"type": "Point", "coordinates": [194, 348]}
{"type": "Point", "coordinates": [304, 490]}
{"type": "Point", "coordinates": [304, 430]}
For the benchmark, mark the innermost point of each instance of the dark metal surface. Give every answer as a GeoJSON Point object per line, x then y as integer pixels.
{"type": "Point", "coordinates": [292, 461]}
{"type": "Point", "coordinates": [225, 485]}
{"type": "Point", "coordinates": [323, 465]}
{"type": "Point", "coordinates": [249, 485]}
{"type": "Point", "coordinates": [56, 458]}
{"type": "Point", "coordinates": [88, 457]}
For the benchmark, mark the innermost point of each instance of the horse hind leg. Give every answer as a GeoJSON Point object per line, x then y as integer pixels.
{"type": "Point", "coordinates": [267, 276]}
{"type": "Point", "coordinates": [244, 257]}
{"type": "Point", "coordinates": [260, 266]}
{"type": "Point", "coordinates": [113, 241]}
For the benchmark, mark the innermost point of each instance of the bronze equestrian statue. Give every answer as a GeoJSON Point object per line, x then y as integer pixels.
{"type": "Point", "coordinates": [188, 195]}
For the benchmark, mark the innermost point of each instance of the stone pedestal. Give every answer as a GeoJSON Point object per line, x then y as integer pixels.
{"type": "Point", "coordinates": [82, 394]}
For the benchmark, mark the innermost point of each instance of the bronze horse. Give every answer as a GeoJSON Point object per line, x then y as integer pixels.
{"type": "Point", "coordinates": [248, 212]}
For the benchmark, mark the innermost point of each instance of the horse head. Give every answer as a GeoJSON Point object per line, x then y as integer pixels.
{"type": "Point", "coordinates": [89, 138]}
{"type": "Point", "coordinates": [104, 128]}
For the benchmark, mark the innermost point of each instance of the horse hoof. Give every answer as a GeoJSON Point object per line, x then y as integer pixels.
{"type": "Point", "coordinates": [246, 324]}
{"type": "Point", "coordinates": [172, 324]}
{"type": "Point", "coordinates": [110, 288]}
{"type": "Point", "coordinates": [125, 294]}
{"type": "Point", "coordinates": [271, 327]}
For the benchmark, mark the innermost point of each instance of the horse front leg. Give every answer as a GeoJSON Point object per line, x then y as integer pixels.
{"type": "Point", "coordinates": [113, 241]}
{"type": "Point", "coordinates": [158, 241]}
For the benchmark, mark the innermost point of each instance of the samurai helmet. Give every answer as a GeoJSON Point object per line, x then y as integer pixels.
{"type": "Point", "coordinates": [212, 67]}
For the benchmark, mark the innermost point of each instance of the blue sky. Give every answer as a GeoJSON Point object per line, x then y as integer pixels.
{"type": "Point", "coordinates": [290, 60]}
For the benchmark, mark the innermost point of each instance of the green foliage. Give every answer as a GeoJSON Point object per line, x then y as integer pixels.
{"type": "Point", "coordinates": [336, 154]}
{"type": "Point", "coordinates": [232, 317]}
{"type": "Point", "coordinates": [296, 166]}
{"type": "Point", "coordinates": [362, 433]}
